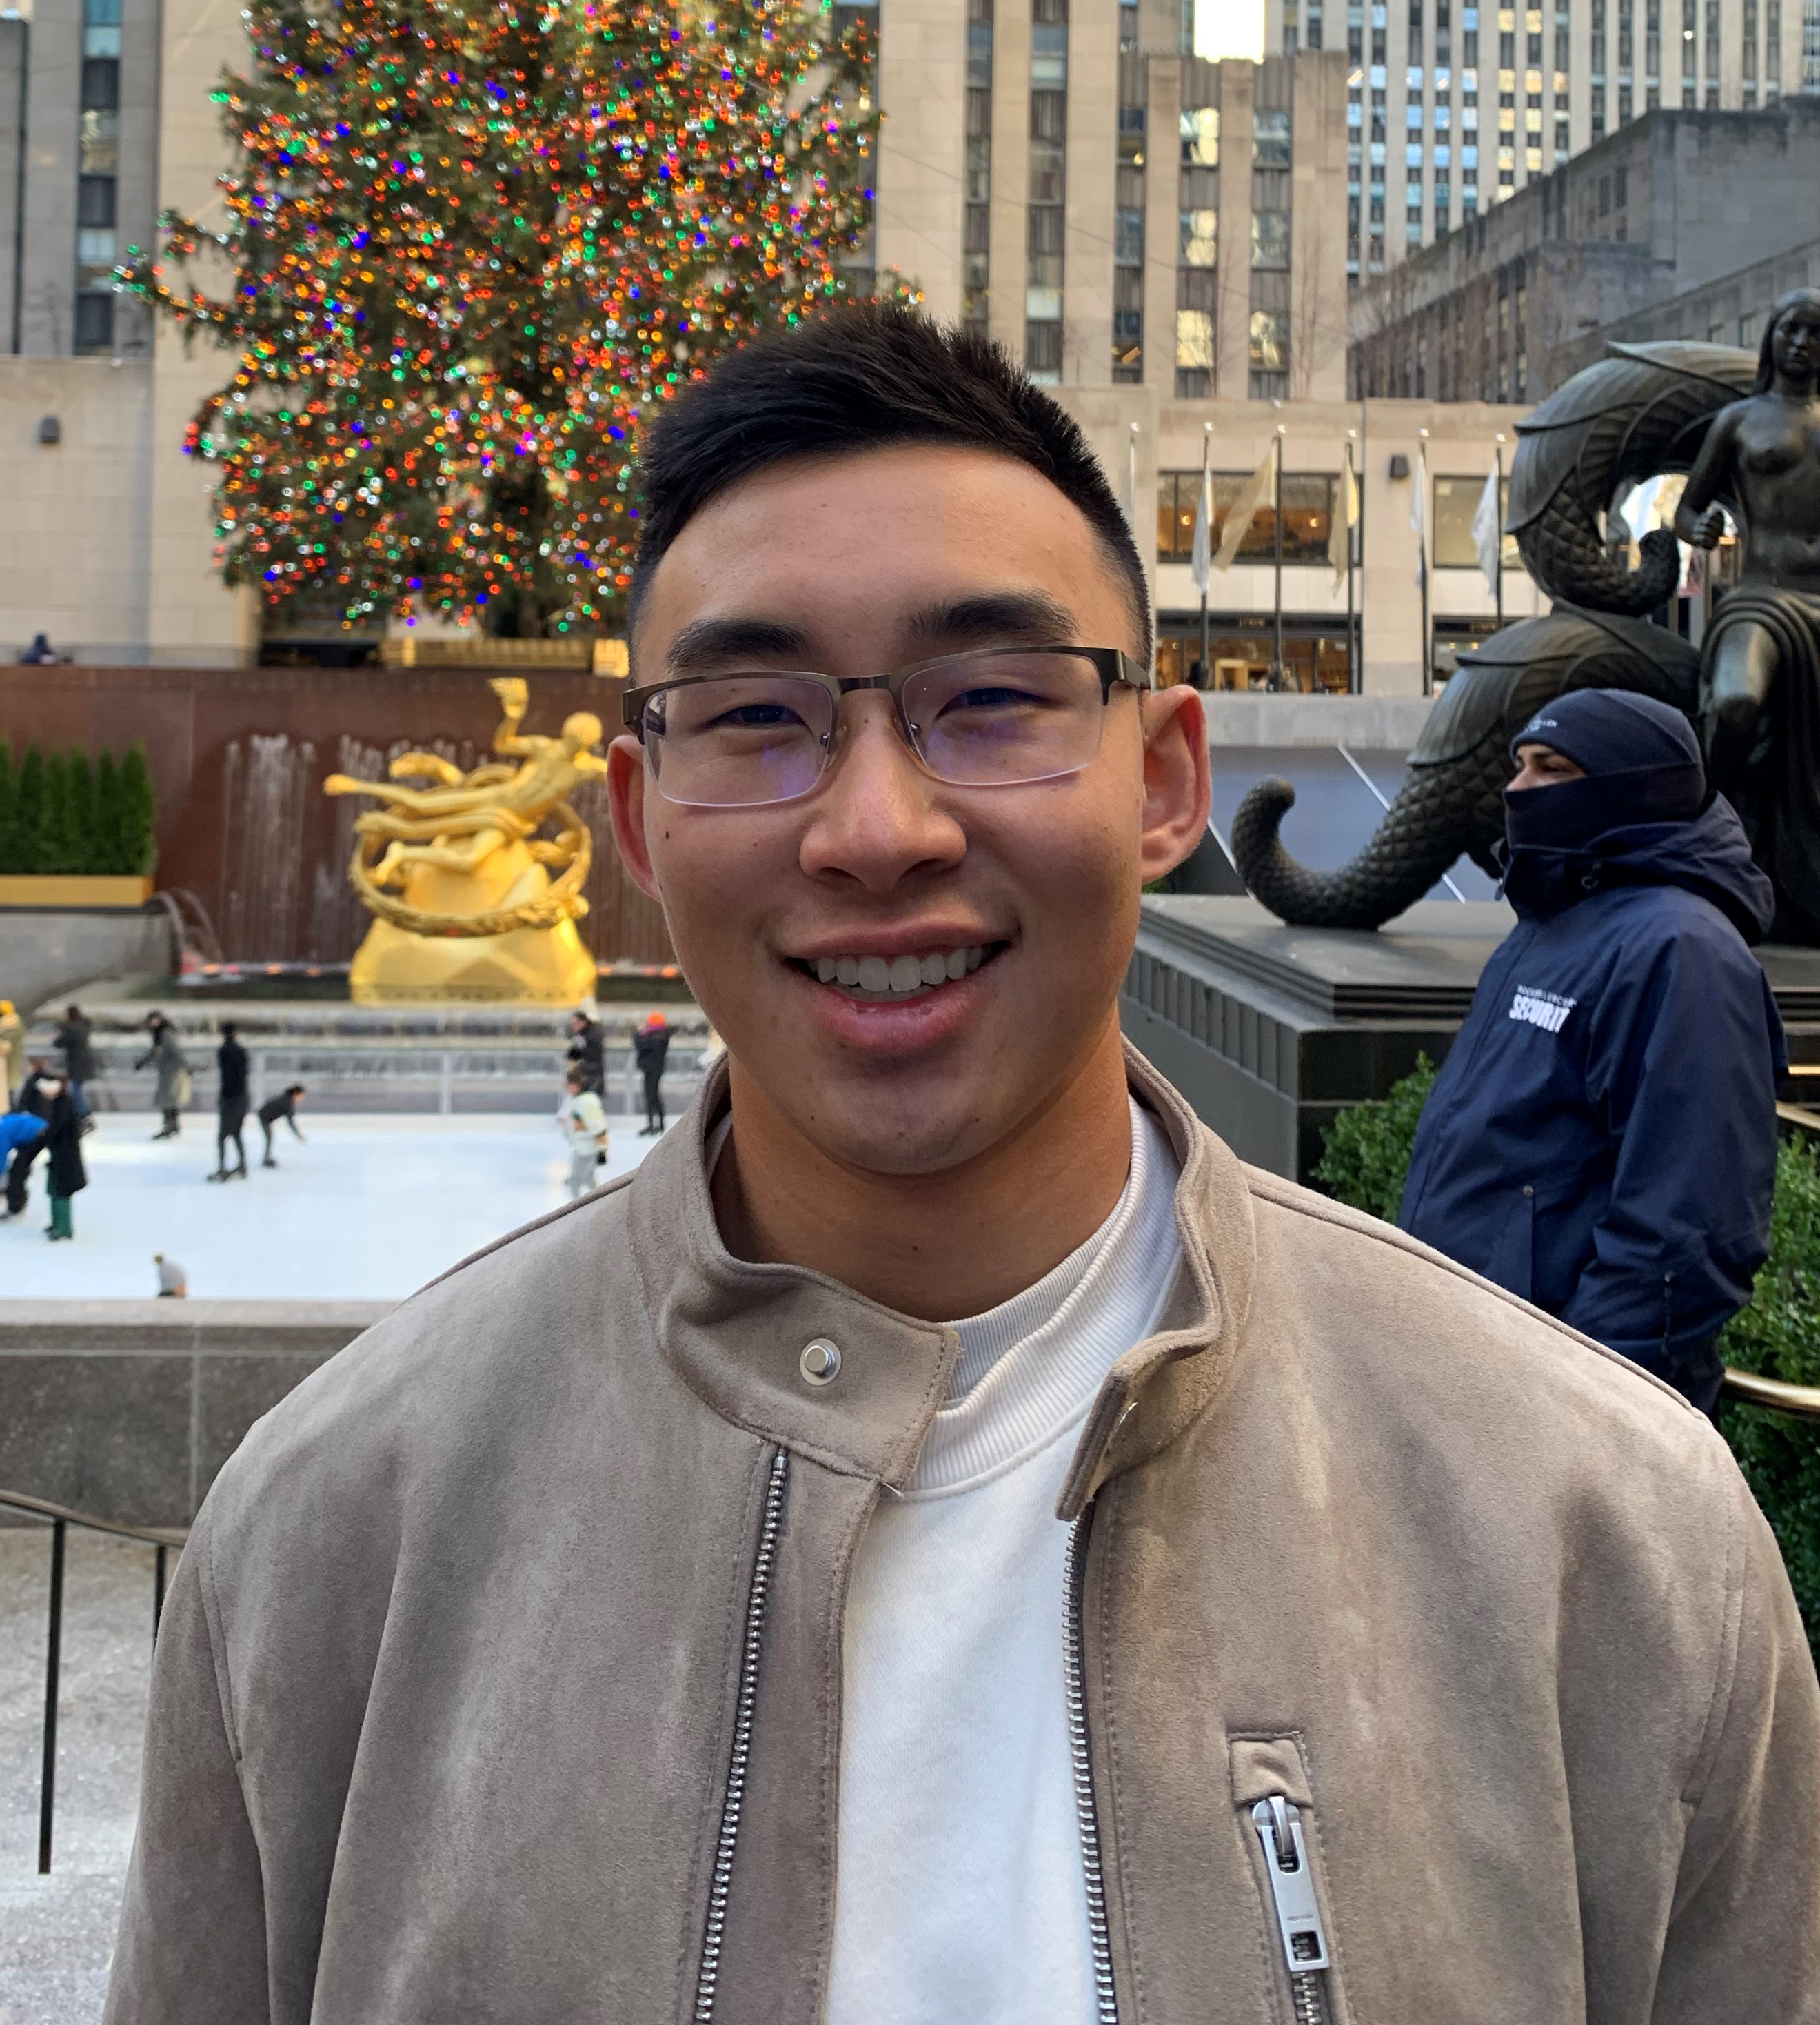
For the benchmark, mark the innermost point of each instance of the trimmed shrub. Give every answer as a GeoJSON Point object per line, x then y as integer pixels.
{"type": "Point", "coordinates": [58, 813]}
{"type": "Point", "coordinates": [1367, 1148]}
{"type": "Point", "coordinates": [1366, 1159]}
{"type": "Point", "coordinates": [29, 813]}
{"type": "Point", "coordinates": [136, 845]}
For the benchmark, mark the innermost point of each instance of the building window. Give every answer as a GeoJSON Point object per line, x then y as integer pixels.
{"type": "Point", "coordinates": [1270, 140]}
{"type": "Point", "coordinates": [1201, 137]}
{"type": "Point", "coordinates": [1456, 500]}
{"type": "Point", "coordinates": [1269, 341]}
{"type": "Point", "coordinates": [1270, 239]}
{"type": "Point", "coordinates": [1047, 191]}
{"type": "Point", "coordinates": [97, 188]}
{"type": "Point", "coordinates": [1194, 341]}
{"type": "Point", "coordinates": [1200, 243]}
{"type": "Point", "coordinates": [1308, 507]}
{"type": "Point", "coordinates": [976, 258]}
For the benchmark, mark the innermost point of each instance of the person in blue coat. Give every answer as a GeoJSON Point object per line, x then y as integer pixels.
{"type": "Point", "coordinates": [1602, 1138]}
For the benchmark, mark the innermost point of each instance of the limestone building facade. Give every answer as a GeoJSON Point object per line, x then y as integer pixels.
{"type": "Point", "coordinates": [1159, 238]}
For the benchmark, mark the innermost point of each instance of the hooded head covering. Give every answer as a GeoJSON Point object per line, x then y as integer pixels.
{"type": "Point", "coordinates": [1642, 816]}
{"type": "Point", "coordinates": [1640, 759]}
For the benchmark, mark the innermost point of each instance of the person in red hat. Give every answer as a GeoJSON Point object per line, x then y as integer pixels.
{"type": "Point", "coordinates": [651, 1048]}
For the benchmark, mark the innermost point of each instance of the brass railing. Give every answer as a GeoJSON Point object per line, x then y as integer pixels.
{"type": "Point", "coordinates": [60, 1519]}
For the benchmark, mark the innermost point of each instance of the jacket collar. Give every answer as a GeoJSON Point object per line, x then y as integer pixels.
{"type": "Point", "coordinates": [735, 1331]}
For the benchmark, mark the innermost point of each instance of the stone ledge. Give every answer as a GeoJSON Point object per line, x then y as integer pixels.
{"type": "Point", "coordinates": [1369, 723]}
{"type": "Point", "coordinates": [183, 1328]}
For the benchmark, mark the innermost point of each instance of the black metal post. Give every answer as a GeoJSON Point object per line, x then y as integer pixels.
{"type": "Point", "coordinates": [158, 1594]}
{"type": "Point", "coordinates": [47, 1798]}
{"type": "Point", "coordinates": [1498, 573]}
{"type": "Point", "coordinates": [1281, 673]}
{"type": "Point", "coordinates": [1347, 481]}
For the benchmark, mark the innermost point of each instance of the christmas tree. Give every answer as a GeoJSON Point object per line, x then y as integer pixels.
{"type": "Point", "coordinates": [471, 245]}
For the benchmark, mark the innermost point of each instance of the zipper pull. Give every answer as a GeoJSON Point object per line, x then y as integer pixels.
{"type": "Point", "coordinates": [1278, 1823]}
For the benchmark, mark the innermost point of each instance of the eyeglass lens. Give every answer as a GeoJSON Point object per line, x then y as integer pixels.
{"type": "Point", "coordinates": [975, 721]}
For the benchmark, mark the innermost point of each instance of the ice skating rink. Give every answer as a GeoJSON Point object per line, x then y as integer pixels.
{"type": "Point", "coordinates": [370, 1208]}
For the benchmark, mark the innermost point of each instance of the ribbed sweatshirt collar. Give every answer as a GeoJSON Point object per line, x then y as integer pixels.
{"type": "Point", "coordinates": [1029, 1369]}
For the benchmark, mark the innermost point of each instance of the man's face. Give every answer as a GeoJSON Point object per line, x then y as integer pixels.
{"type": "Point", "coordinates": [1541, 766]}
{"type": "Point", "coordinates": [856, 566]}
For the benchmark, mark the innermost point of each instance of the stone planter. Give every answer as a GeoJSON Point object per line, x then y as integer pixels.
{"type": "Point", "coordinates": [68, 890]}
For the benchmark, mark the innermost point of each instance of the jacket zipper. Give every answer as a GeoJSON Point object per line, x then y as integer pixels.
{"type": "Point", "coordinates": [707, 1980]}
{"type": "Point", "coordinates": [1105, 1996]}
{"type": "Point", "coordinates": [1278, 1823]}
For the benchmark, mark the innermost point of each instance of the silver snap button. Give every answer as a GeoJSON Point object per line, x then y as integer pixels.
{"type": "Point", "coordinates": [820, 1362]}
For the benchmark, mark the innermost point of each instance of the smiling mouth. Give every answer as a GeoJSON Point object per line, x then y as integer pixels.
{"type": "Point", "coordinates": [889, 980]}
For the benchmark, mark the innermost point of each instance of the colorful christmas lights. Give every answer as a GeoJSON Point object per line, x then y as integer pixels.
{"type": "Point", "coordinates": [470, 247]}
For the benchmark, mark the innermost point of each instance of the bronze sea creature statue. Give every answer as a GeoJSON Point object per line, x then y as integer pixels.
{"type": "Point", "coordinates": [1747, 433]}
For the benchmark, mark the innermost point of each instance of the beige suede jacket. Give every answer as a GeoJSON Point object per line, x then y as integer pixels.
{"type": "Point", "coordinates": [1429, 1663]}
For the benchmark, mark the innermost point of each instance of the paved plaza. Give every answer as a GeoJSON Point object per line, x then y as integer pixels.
{"type": "Point", "coordinates": [370, 1208]}
{"type": "Point", "coordinates": [56, 1933]}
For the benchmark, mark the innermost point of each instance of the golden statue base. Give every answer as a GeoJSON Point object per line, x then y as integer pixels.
{"type": "Point", "coordinates": [546, 966]}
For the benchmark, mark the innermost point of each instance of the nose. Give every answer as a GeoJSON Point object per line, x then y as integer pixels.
{"type": "Point", "coordinates": [878, 817]}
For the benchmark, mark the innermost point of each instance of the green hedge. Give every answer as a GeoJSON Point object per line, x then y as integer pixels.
{"type": "Point", "coordinates": [1366, 1159]}
{"type": "Point", "coordinates": [61, 813]}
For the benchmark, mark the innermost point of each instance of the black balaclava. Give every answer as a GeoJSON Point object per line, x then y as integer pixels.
{"type": "Point", "coordinates": [1642, 762]}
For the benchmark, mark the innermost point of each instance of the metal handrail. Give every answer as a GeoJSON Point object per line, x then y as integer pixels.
{"type": "Point", "coordinates": [60, 1519]}
{"type": "Point", "coordinates": [1750, 1389]}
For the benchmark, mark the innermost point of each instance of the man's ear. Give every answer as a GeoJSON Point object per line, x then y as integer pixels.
{"type": "Point", "coordinates": [625, 798]}
{"type": "Point", "coordinates": [1178, 790]}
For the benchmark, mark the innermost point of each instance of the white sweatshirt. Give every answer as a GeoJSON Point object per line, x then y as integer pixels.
{"type": "Point", "coordinates": [961, 1893]}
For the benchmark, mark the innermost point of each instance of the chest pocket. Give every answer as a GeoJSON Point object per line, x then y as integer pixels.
{"type": "Point", "coordinates": [1275, 1821]}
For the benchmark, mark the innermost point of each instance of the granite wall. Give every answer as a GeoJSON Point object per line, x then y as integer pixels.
{"type": "Point", "coordinates": [127, 1409]}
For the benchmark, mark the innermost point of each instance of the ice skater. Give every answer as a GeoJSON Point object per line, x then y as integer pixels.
{"type": "Point", "coordinates": [63, 1142]}
{"type": "Point", "coordinates": [167, 1056]}
{"type": "Point", "coordinates": [650, 1045]}
{"type": "Point", "coordinates": [31, 1100]}
{"type": "Point", "coordinates": [230, 1116]}
{"type": "Point", "coordinates": [277, 1108]}
{"type": "Point", "coordinates": [21, 1141]}
{"type": "Point", "coordinates": [584, 1125]}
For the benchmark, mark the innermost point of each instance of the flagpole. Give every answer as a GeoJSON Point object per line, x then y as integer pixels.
{"type": "Point", "coordinates": [1207, 508]}
{"type": "Point", "coordinates": [1278, 672]}
{"type": "Point", "coordinates": [1498, 574]}
{"type": "Point", "coordinates": [1422, 564]}
{"type": "Point", "coordinates": [1346, 484]}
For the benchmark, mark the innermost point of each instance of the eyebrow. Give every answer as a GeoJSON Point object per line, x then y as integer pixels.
{"type": "Point", "coordinates": [992, 614]}
{"type": "Point", "coordinates": [708, 644]}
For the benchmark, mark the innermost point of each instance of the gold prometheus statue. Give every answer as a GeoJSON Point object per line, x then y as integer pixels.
{"type": "Point", "coordinates": [458, 882]}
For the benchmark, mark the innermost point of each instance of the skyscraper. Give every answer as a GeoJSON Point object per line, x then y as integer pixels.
{"type": "Point", "coordinates": [1451, 107]}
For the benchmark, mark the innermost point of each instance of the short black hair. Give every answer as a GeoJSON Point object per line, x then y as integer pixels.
{"type": "Point", "coordinates": [859, 376]}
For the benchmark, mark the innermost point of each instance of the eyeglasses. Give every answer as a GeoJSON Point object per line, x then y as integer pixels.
{"type": "Point", "coordinates": [998, 718]}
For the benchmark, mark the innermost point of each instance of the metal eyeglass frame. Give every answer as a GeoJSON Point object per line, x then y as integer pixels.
{"type": "Point", "coordinates": [1115, 668]}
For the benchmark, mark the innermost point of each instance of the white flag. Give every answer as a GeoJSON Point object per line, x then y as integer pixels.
{"type": "Point", "coordinates": [1346, 520]}
{"type": "Point", "coordinates": [1419, 517]}
{"type": "Point", "coordinates": [1244, 510]}
{"type": "Point", "coordinates": [1488, 531]}
{"type": "Point", "coordinates": [1203, 548]}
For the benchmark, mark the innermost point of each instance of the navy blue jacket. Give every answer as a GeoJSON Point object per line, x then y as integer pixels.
{"type": "Point", "coordinates": [1602, 1138]}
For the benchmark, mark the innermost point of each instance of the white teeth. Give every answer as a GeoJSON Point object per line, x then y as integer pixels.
{"type": "Point", "coordinates": [898, 977]}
